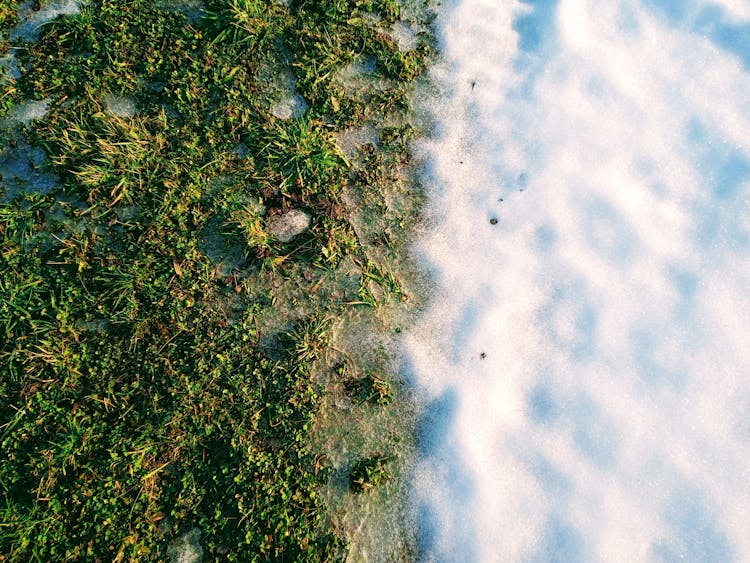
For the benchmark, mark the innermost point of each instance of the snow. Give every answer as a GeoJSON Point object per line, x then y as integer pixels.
{"type": "Point", "coordinates": [187, 548]}
{"type": "Point", "coordinates": [291, 106]}
{"type": "Point", "coordinates": [121, 106]}
{"type": "Point", "coordinates": [31, 19]}
{"type": "Point", "coordinates": [286, 103]}
{"type": "Point", "coordinates": [26, 112]}
{"type": "Point", "coordinates": [288, 225]}
{"type": "Point", "coordinates": [585, 357]}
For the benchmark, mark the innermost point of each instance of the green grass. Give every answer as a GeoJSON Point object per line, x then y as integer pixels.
{"type": "Point", "coordinates": [139, 398]}
{"type": "Point", "coordinates": [368, 473]}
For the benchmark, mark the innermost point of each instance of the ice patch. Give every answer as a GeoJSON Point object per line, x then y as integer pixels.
{"type": "Point", "coordinates": [11, 70]}
{"type": "Point", "coordinates": [26, 112]}
{"type": "Point", "coordinates": [32, 20]}
{"type": "Point", "coordinates": [286, 102]}
{"type": "Point", "coordinates": [288, 225]}
{"type": "Point", "coordinates": [121, 106]}
{"type": "Point", "coordinates": [587, 349]}
{"type": "Point", "coordinates": [405, 35]}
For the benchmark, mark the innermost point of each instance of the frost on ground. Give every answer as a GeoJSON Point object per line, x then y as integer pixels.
{"type": "Point", "coordinates": [21, 165]}
{"type": "Point", "coordinates": [187, 548]}
{"type": "Point", "coordinates": [121, 106]}
{"type": "Point", "coordinates": [26, 112]}
{"type": "Point", "coordinates": [286, 102]}
{"type": "Point", "coordinates": [586, 356]}
{"type": "Point", "coordinates": [288, 225]}
{"type": "Point", "coordinates": [33, 16]}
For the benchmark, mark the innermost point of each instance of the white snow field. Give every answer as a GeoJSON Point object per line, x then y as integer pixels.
{"type": "Point", "coordinates": [586, 356]}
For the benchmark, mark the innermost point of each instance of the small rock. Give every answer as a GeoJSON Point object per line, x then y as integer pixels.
{"type": "Point", "coordinates": [288, 225]}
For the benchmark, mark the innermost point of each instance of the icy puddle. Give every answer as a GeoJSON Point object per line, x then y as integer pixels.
{"type": "Point", "coordinates": [586, 357]}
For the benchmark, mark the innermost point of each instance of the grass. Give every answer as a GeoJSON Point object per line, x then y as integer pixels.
{"type": "Point", "coordinates": [368, 473]}
{"type": "Point", "coordinates": [142, 393]}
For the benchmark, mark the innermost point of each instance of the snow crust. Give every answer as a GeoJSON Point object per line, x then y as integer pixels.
{"type": "Point", "coordinates": [586, 356]}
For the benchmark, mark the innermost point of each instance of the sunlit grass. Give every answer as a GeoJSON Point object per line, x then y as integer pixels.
{"type": "Point", "coordinates": [140, 397]}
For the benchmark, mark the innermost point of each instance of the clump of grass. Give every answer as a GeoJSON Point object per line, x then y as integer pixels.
{"type": "Point", "coordinates": [8, 14]}
{"type": "Point", "coordinates": [369, 389]}
{"type": "Point", "coordinates": [368, 473]}
{"type": "Point", "coordinates": [138, 403]}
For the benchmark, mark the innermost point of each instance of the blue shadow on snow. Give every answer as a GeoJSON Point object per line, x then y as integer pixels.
{"type": "Point", "coordinates": [711, 21]}
{"type": "Point", "coordinates": [433, 432]}
{"type": "Point", "coordinates": [695, 536]}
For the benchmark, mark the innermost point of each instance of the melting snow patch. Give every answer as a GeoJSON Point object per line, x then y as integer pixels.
{"type": "Point", "coordinates": [288, 225]}
{"type": "Point", "coordinates": [287, 103]}
{"type": "Point", "coordinates": [11, 70]}
{"type": "Point", "coordinates": [121, 106]}
{"type": "Point", "coordinates": [187, 548]}
{"type": "Point", "coordinates": [359, 78]}
{"type": "Point", "coordinates": [351, 140]}
{"type": "Point", "coordinates": [21, 165]}
{"type": "Point", "coordinates": [31, 20]}
{"type": "Point", "coordinates": [193, 9]}
{"type": "Point", "coordinates": [405, 36]}
{"type": "Point", "coordinates": [21, 170]}
{"type": "Point", "coordinates": [26, 112]}
{"type": "Point", "coordinates": [289, 106]}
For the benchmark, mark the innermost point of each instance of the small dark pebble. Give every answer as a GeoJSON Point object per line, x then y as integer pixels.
{"type": "Point", "coordinates": [493, 221]}
{"type": "Point", "coordinates": [482, 356]}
